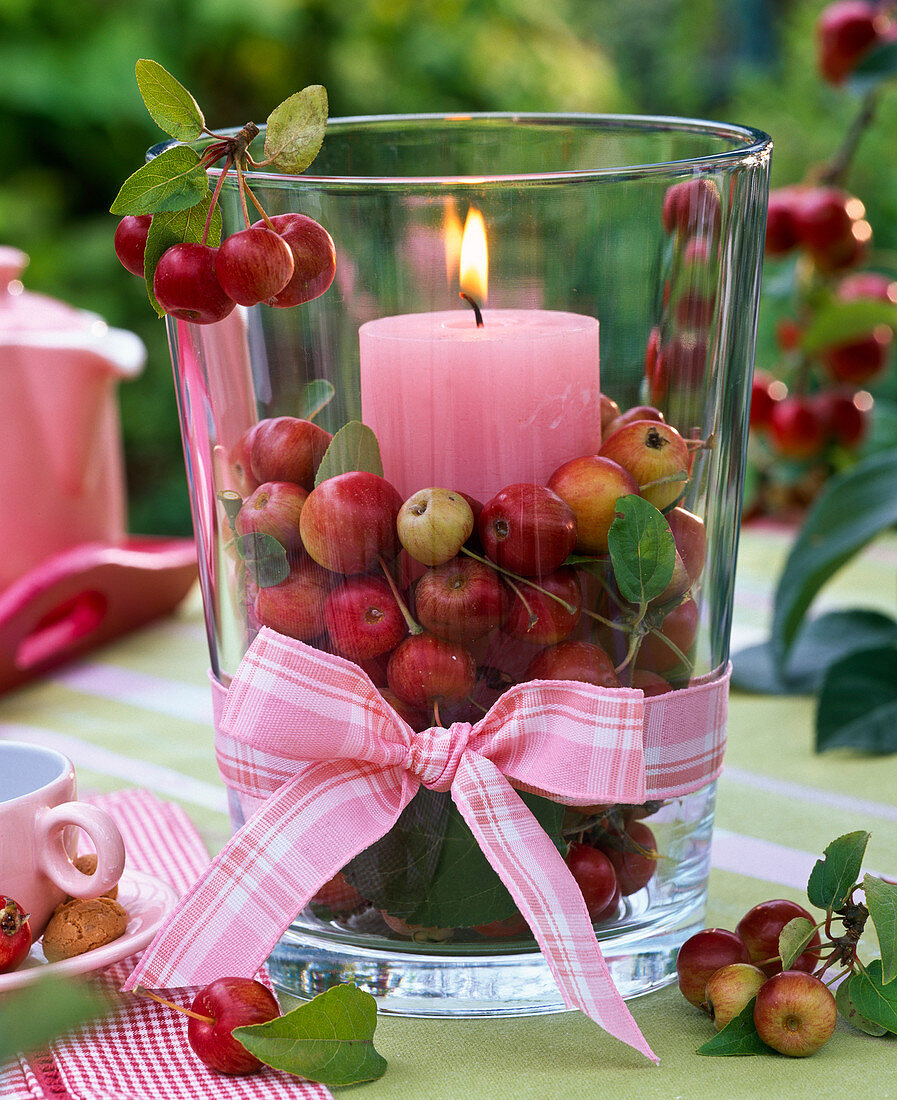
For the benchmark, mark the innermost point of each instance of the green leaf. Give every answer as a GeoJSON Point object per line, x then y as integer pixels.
{"type": "Point", "coordinates": [295, 130]}
{"type": "Point", "coordinates": [850, 511]}
{"type": "Point", "coordinates": [354, 447]}
{"type": "Point", "coordinates": [877, 67]}
{"type": "Point", "coordinates": [738, 1037]}
{"type": "Point", "coordinates": [642, 549]}
{"type": "Point", "coordinates": [169, 103]}
{"type": "Point", "coordinates": [793, 938]}
{"type": "Point", "coordinates": [265, 558]}
{"type": "Point", "coordinates": [857, 706]}
{"type": "Point", "coordinates": [848, 1010]}
{"type": "Point", "coordinates": [32, 1016]}
{"type": "Point", "coordinates": [174, 180]}
{"type": "Point", "coordinates": [175, 227]}
{"type": "Point", "coordinates": [840, 322]}
{"type": "Point", "coordinates": [313, 397]}
{"type": "Point", "coordinates": [873, 998]}
{"type": "Point", "coordinates": [330, 1039]}
{"type": "Point", "coordinates": [820, 642]}
{"type": "Point", "coordinates": [881, 901]}
{"type": "Point", "coordinates": [835, 875]}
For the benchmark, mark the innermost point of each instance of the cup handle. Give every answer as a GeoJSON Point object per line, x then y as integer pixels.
{"type": "Point", "coordinates": [106, 838]}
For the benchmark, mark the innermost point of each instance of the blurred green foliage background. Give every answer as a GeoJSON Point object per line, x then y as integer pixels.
{"type": "Point", "coordinates": [74, 126]}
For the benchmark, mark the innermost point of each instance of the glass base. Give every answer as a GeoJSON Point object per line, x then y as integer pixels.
{"type": "Point", "coordinates": [414, 980]}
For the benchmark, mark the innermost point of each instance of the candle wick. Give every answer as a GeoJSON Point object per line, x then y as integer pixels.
{"type": "Point", "coordinates": [476, 309]}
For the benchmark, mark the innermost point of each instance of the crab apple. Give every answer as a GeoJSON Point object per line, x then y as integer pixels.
{"type": "Point", "coordinates": [339, 895]}
{"type": "Point", "coordinates": [680, 626]}
{"type": "Point", "coordinates": [314, 258]}
{"type": "Point", "coordinates": [795, 1013]}
{"type": "Point", "coordinates": [796, 428]}
{"type": "Point", "coordinates": [273, 509]}
{"type": "Point", "coordinates": [241, 462]}
{"type": "Point", "coordinates": [15, 935]}
{"type": "Point", "coordinates": [287, 448]}
{"type": "Point", "coordinates": [433, 525]}
{"type": "Point", "coordinates": [527, 529]}
{"type": "Point", "coordinates": [694, 310]}
{"type": "Point", "coordinates": [591, 485]}
{"type": "Point", "coordinates": [420, 933]}
{"type": "Point", "coordinates": [462, 600]}
{"type": "Point", "coordinates": [424, 670]}
{"type": "Point", "coordinates": [363, 619]}
{"type": "Point", "coordinates": [349, 522]}
{"type": "Point", "coordinates": [730, 989]}
{"type": "Point", "coordinates": [228, 1003]}
{"type": "Point", "coordinates": [253, 265]}
{"type": "Point", "coordinates": [651, 451]}
{"type": "Point", "coordinates": [702, 955]}
{"type": "Point", "coordinates": [130, 241]}
{"type": "Point", "coordinates": [788, 334]}
{"type": "Point", "coordinates": [515, 925]}
{"type": "Point", "coordinates": [681, 364]}
{"type": "Point", "coordinates": [636, 412]}
{"type": "Point", "coordinates": [633, 854]}
{"type": "Point", "coordinates": [867, 284]}
{"type": "Point", "coordinates": [824, 216]}
{"type": "Point", "coordinates": [295, 607]}
{"type": "Point", "coordinates": [690, 536]}
{"type": "Point", "coordinates": [759, 930]}
{"type": "Point", "coordinates": [845, 32]}
{"type": "Point", "coordinates": [766, 392]}
{"type": "Point", "coordinates": [846, 421]}
{"type": "Point", "coordinates": [537, 617]}
{"type": "Point", "coordinates": [859, 361]}
{"type": "Point", "coordinates": [594, 876]}
{"type": "Point", "coordinates": [781, 221]}
{"type": "Point", "coordinates": [186, 285]}
{"type": "Point", "coordinates": [650, 683]}
{"type": "Point", "coordinates": [610, 410]}
{"type": "Point", "coordinates": [692, 207]}
{"type": "Point", "coordinates": [581, 661]}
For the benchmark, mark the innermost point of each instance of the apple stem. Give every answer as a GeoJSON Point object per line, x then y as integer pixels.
{"type": "Point", "coordinates": [436, 719]}
{"type": "Point", "coordinates": [208, 225]}
{"type": "Point", "coordinates": [533, 617]}
{"type": "Point", "coordinates": [255, 202]}
{"type": "Point", "coordinates": [413, 627]}
{"type": "Point", "coordinates": [568, 607]}
{"type": "Point", "coordinates": [625, 627]}
{"type": "Point", "coordinates": [141, 992]}
{"type": "Point", "coordinates": [634, 644]}
{"type": "Point", "coordinates": [479, 706]}
{"type": "Point", "coordinates": [667, 479]}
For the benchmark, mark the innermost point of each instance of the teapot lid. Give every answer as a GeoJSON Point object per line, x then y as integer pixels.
{"type": "Point", "coordinates": [23, 312]}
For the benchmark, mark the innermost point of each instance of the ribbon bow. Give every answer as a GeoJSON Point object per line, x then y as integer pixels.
{"type": "Point", "coordinates": [310, 734]}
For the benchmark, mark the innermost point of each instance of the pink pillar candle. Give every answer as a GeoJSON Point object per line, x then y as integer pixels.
{"type": "Point", "coordinates": [475, 409]}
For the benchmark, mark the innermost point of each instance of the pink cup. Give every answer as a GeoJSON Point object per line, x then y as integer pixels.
{"type": "Point", "coordinates": [37, 838]}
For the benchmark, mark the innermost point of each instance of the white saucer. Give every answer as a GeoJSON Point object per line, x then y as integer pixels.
{"type": "Point", "coordinates": [148, 902]}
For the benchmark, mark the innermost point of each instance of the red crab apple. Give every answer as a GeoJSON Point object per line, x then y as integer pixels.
{"type": "Point", "coordinates": [702, 955]}
{"type": "Point", "coordinates": [766, 391]}
{"type": "Point", "coordinates": [591, 486]}
{"type": "Point", "coordinates": [515, 926]}
{"type": "Point", "coordinates": [130, 241]}
{"type": "Point", "coordinates": [759, 930]}
{"type": "Point", "coordinates": [847, 30]}
{"type": "Point", "coordinates": [240, 461]}
{"type": "Point", "coordinates": [253, 264]}
{"type": "Point", "coordinates": [433, 524]}
{"type": "Point", "coordinates": [635, 412]}
{"type": "Point", "coordinates": [610, 410]}
{"type": "Point", "coordinates": [690, 536]}
{"type": "Point", "coordinates": [295, 607]}
{"type": "Point", "coordinates": [339, 895]}
{"type": "Point", "coordinates": [363, 619]}
{"type": "Point", "coordinates": [286, 448]}
{"type": "Point", "coordinates": [186, 285]}
{"type": "Point", "coordinates": [680, 626]}
{"type": "Point", "coordinates": [692, 207]}
{"type": "Point", "coordinates": [15, 935]}
{"type": "Point", "coordinates": [650, 683]}
{"type": "Point", "coordinates": [527, 529]}
{"type": "Point", "coordinates": [594, 875]}
{"type": "Point", "coordinates": [462, 600]}
{"type": "Point", "coordinates": [781, 224]}
{"type": "Point", "coordinates": [730, 989]}
{"type": "Point", "coordinates": [273, 509]}
{"type": "Point", "coordinates": [582, 661]}
{"type": "Point", "coordinates": [859, 361]}
{"type": "Point", "coordinates": [796, 428]}
{"type": "Point", "coordinates": [537, 617]}
{"type": "Point", "coordinates": [795, 1013]}
{"type": "Point", "coordinates": [867, 284]}
{"type": "Point", "coordinates": [846, 420]}
{"type": "Point", "coordinates": [348, 522]}
{"type": "Point", "coordinates": [633, 854]}
{"type": "Point", "coordinates": [228, 1003]}
{"type": "Point", "coordinates": [650, 451]}
{"type": "Point", "coordinates": [424, 670]}
{"type": "Point", "coordinates": [314, 258]}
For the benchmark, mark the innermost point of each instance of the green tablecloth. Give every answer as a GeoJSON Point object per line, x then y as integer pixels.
{"type": "Point", "coordinates": [138, 714]}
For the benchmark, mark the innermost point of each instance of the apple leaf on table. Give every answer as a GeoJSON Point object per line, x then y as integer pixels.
{"type": "Point", "coordinates": [881, 900]}
{"type": "Point", "coordinates": [874, 999]}
{"type": "Point", "coordinates": [794, 938]}
{"type": "Point", "coordinates": [738, 1037]}
{"type": "Point", "coordinates": [330, 1039]}
{"type": "Point", "coordinates": [31, 1017]}
{"type": "Point", "coordinates": [834, 876]}
{"type": "Point", "coordinates": [852, 1015]}
{"type": "Point", "coordinates": [858, 702]}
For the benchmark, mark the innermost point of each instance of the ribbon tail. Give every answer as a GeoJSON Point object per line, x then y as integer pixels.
{"type": "Point", "coordinates": [538, 879]}
{"type": "Point", "coordinates": [228, 922]}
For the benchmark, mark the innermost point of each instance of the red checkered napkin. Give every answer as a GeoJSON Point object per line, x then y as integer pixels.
{"type": "Point", "coordinates": [141, 1053]}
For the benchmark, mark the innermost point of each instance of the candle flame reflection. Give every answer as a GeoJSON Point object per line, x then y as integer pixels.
{"type": "Point", "coordinates": [474, 277]}
{"type": "Point", "coordinates": [452, 234]}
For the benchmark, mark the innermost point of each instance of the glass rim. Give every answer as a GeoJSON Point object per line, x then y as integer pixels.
{"type": "Point", "coordinates": [754, 145]}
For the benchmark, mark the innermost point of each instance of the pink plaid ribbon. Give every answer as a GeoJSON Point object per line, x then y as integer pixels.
{"type": "Point", "coordinates": [309, 733]}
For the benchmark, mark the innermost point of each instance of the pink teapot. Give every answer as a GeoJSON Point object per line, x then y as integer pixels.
{"type": "Point", "coordinates": [63, 485]}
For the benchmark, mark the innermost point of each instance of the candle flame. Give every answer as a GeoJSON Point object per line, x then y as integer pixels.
{"type": "Point", "coordinates": [474, 276]}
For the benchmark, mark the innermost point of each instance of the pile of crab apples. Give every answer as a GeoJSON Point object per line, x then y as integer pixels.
{"type": "Point", "coordinates": [722, 972]}
{"type": "Point", "coordinates": [446, 601]}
